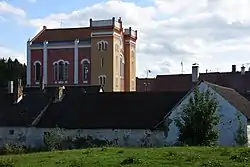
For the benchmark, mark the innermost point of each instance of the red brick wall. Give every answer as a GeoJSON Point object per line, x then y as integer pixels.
{"type": "Point", "coordinates": [83, 53]}
{"type": "Point", "coordinates": [36, 55]}
{"type": "Point", "coordinates": [66, 54]}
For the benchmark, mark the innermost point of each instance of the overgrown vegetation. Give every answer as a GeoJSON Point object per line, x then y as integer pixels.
{"type": "Point", "coordinates": [132, 157]}
{"type": "Point", "coordinates": [198, 122]}
{"type": "Point", "coordinates": [241, 135]}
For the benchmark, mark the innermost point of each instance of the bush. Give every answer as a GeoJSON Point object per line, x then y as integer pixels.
{"type": "Point", "coordinates": [198, 120]}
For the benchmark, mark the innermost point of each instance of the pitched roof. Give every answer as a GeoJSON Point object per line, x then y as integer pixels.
{"type": "Point", "coordinates": [24, 112]}
{"type": "Point", "coordinates": [183, 82]}
{"type": "Point", "coordinates": [63, 34]}
{"type": "Point", "coordinates": [119, 110]}
{"type": "Point", "coordinates": [233, 97]}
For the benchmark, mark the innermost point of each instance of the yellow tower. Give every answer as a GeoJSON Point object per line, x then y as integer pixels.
{"type": "Point", "coordinates": [112, 55]}
{"type": "Point", "coordinates": [130, 37]}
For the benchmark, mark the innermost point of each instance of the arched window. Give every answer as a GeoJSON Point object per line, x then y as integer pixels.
{"type": "Point", "coordinates": [85, 70]}
{"type": "Point", "coordinates": [102, 79]}
{"type": "Point", "coordinates": [61, 71]}
{"type": "Point", "coordinates": [102, 45]}
{"type": "Point", "coordinates": [37, 65]}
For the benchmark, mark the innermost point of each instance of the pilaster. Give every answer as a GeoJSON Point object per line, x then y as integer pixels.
{"type": "Point", "coordinates": [76, 61]}
{"type": "Point", "coordinates": [28, 71]}
{"type": "Point", "coordinates": [45, 57]}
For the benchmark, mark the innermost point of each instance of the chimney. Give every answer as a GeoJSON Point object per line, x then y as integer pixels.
{"type": "Point", "coordinates": [10, 87]}
{"type": "Point", "coordinates": [195, 72]}
{"type": "Point", "coordinates": [41, 84]}
{"type": "Point", "coordinates": [242, 69]}
{"type": "Point", "coordinates": [233, 68]}
{"type": "Point", "coordinates": [15, 89]}
{"type": "Point", "coordinates": [59, 94]}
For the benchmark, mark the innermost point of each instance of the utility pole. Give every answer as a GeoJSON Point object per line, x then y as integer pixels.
{"type": "Point", "coordinates": [147, 83]}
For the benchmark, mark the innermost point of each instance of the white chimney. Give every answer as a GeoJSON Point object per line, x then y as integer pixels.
{"type": "Point", "coordinates": [195, 72]}
{"type": "Point", "coordinates": [10, 87]}
{"type": "Point", "coordinates": [242, 70]}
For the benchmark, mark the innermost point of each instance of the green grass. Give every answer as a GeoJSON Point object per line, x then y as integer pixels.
{"type": "Point", "coordinates": [131, 157]}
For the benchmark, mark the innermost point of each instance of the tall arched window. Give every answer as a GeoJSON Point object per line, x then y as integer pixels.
{"type": "Point", "coordinates": [85, 70]}
{"type": "Point", "coordinates": [37, 66]}
{"type": "Point", "coordinates": [61, 71]}
{"type": "Point", "coordinates": [122, 66]}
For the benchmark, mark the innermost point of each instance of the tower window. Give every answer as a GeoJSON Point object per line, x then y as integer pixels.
{"type": "Point", "coordinates": [102, 61]}
{"type": "Point", "coordinates": [102, 79]}
{"type": "Point", "coordinates": [102, 45]}
{"type": "Point", "coordinates": [37, 65]}
{"type": "Point", "coordinates": [85, 70]}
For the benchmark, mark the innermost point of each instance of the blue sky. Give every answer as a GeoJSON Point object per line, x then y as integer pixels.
{"type": "Point", "coordinates": [214, 34]}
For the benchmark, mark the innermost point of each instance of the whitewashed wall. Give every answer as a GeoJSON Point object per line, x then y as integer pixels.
{"type": "Point", "coordinates": [34, 137]}
{"type": "Point", "coordinates": [248, 133]}
{"type": "Point", "coordinates": [228, 120]}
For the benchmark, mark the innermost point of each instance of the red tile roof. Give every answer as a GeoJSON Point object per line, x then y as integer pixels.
{"type": "Point", "coordinates": [234, 98]}
{"type": "Point", "coordinates": [183, 82]}
{"type": "Point", "coordinates": [62, 34]}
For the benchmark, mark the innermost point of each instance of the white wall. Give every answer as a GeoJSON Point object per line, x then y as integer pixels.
{"type": "Point", "coordinates": [34, 136]}
{"type": "Point", "coordinates": [228, 120]}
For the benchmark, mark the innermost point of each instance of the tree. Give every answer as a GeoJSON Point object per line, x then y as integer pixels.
{"type": "Point", "coordinates": [11, 70]}
{"type": "Point", "coordinates": [198, 120]}
{"type": "Point", "coordinates": [240, 136]}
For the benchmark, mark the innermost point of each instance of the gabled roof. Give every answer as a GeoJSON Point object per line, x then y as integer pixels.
{"type": "Point", "coordinates": [233, 97]}
{"type": "Point", "coordinates": [24, 112]}
{"type": "Point", "coordinates": [63, 34]}
{"type": "Point", "coordinates": [116, 110]}
{"type": "Point", "coordinates": [183, 82]}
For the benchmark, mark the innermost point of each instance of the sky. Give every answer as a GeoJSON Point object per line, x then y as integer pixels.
{"type": "Point", "coordinates": [213, 33]}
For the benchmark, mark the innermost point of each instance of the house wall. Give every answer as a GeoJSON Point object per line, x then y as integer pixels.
{"type": "Point", "coordinates": [34, 137]}
{"type": "Point", "coordinates": [248, 133]}
{"type": "Point", "coordinates": [227, 127]}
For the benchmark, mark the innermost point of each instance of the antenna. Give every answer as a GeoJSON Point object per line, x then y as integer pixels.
{"type": "Point", "coordinates": [61, 23]}
{"type": "Point", "coordinates": [181, 67]}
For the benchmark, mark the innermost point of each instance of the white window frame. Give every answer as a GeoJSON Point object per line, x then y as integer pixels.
{"type": "Point", "coordinates": [82, 64]}
{"type": "Point", "coordinates": [56, 71]}
{"type": "Point", "coordinates": [102, 79]}
{"type": "Point", "coordinates": [35, 63]}
{"type": "Point", "coordinates": [102, 45]}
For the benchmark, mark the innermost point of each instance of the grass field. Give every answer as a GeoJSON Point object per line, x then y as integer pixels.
{"type": "Point", "coordinates": [145, 157]}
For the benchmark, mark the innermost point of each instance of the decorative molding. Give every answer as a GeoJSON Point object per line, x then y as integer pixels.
{"type": "Point", "coordinates": [61, 60]}
{"type": "Point", "coordinates": [130, 42]}
{"type": "Point", "coordinates": [107, 33]}
{"type": "Point", "coordinates": [37, 61]}
{"type": "Point", "coordinates": [83, 60]}
{"type": "Point", "coordinates": [60, 47]}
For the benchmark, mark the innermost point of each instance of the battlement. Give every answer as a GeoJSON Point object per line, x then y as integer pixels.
{"type": "Point", "coordinates": [130, 32]}
{"type": "Point", "coordinates": [106, 23]}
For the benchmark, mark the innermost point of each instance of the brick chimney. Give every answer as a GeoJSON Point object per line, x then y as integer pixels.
{"type": "Point", "coordinates": [41, 84]}
{"type": "Point", "coordinates": [242, 70]}
{"type": "Point", "coordinates": [233, 68]}
{"type": "Point", "coordinates": [195, 73]}
{"type": "Point", "coordinates": [15, 91]}
{"type": "Point", "coordinates": [59, 94]}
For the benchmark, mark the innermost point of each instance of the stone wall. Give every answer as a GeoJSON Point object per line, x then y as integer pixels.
{"type": "Point", "coordinates": [34, 137]}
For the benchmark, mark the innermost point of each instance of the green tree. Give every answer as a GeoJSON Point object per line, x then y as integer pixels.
{"type": "Point", "coordinates": [197, 123]}
{"type": "Point", "coordinates": [240, 136]}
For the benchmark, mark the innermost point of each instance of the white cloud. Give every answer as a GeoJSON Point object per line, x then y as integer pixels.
{"type": "Point", "coordinates": [7, 52]}
{"type": "Point", "coordinates": [9, 9]}
{"type": "Point", "coordinates": [214, 33]}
